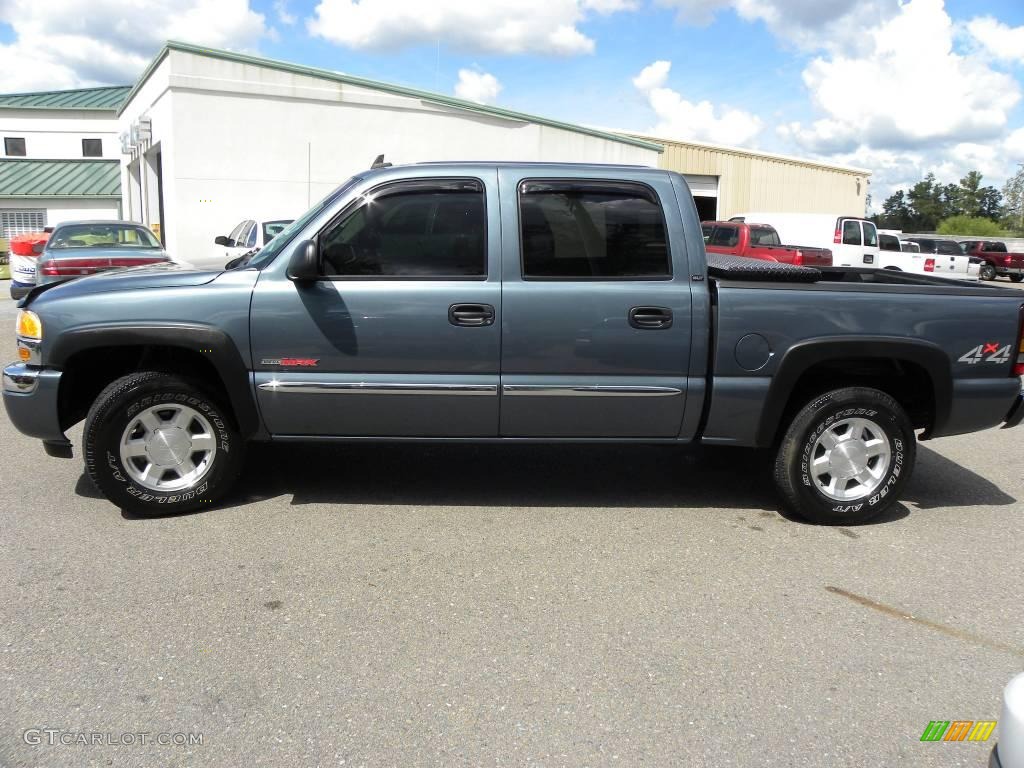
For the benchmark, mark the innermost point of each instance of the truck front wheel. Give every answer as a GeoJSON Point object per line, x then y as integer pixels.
{"type": "Point", "coordinates": [987, 272]}
{"type": "Point", "coordinates": [157, 444]}
{"type": "Point", "coordinates": [846, 456]}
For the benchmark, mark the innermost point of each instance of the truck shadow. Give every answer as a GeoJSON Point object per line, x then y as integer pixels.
{"type": "Point", "coordinates": [562, 476]}
{"type": "Point", "coordinates": [557, 476]}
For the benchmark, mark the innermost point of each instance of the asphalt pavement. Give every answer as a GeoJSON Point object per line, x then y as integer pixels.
{"type": "Point", "coordinates": [536, 606]}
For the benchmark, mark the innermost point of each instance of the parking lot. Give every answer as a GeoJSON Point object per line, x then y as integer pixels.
{"type": "Point", "coordinates": [467, 605]}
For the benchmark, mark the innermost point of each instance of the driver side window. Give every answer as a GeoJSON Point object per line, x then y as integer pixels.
{"type": "Point", "coordinates": [425, 230]}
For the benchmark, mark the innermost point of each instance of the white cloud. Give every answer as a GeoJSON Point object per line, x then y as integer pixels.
{"type": "Point", "coordinates": [284, 15]}
{"type": "Point", "coordinates": [477, 86]}
{"type": "Point", "coordinates": [1014, 146]}
{"type": "Point", "coordinates": [497, 26]}
{"type": "Point", "coordinates": [910, 89]}
{"type": "Point", "coordinates": [682, 119]}
{"type": "Point", "coordinates": [812, 24]}
{"type": "Point", "coordinates": [1002, 41]}
{"type": "Point", "coordinates": [70, 43]}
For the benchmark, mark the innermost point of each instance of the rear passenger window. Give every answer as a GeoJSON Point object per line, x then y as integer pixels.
{"type": "Point", "coordinates": [411, 229]}
{"type": "Point", "coordinates": [851, 233]}
{"type": "Point", "coordinates": [870, 235]}
{"type": "Point", "coordinates": [592, 229]}
{"type": "Point", "coordinates": [725, 237]}
{"type": "Point", "coordinates": [761, 236]}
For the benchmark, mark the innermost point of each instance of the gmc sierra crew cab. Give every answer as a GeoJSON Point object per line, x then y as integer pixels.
{"type": "Point", "coordinates": [759, 241]}
{"type": "Point", "coordinates": [511, 302]}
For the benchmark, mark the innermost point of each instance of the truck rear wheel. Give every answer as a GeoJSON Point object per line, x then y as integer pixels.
{"type": "Point", "coordinates": [846, 456]}
{"type": "Point", "coordinates": [157, 444]}
{"type": "Point", "coordinates": [1016, 278]}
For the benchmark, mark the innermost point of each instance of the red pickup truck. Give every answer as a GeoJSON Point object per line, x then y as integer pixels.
{"type": "Point", "coordinates": [996, 259]}
{"type": "Point", "coordinates": [759, 241]}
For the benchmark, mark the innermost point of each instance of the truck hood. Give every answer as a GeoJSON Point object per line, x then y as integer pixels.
{"type": "Point", "coordinates": [169, 275]}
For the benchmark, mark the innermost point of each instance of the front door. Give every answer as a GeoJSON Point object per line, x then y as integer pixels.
{"type": "Point", "coordinates": [596, 322]}
{"type": "Point", "coordinates": [400, 337]}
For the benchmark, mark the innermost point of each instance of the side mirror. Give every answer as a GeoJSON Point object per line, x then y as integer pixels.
{"type": "Point", "coordinates": [304, 265]}
{"type": "Point", "coordinates": [221, 240]}
{"type": "Point", "coordinates": [37, 248]}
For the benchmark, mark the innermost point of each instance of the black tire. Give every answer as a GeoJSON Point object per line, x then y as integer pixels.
{"type": "Point", "coordinates": [792, 464]}
{"type": "Point", "coordinates": [987, 272]}
{"type": "Point", "coordinates": [1016, 278]}
{"type": "Point", "coordinates": [117, 406]}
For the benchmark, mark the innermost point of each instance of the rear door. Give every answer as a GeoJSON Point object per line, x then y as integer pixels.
{"type": "Point", "coordinates": [400, 336]}
{"type": "Point", "coordinates": [950, 259]}
{"type": "Point", "coordinates": [596, 321]}
{"type": "Point", "coordinates": [857, 244]}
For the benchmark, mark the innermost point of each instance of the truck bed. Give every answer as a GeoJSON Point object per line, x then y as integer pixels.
{"type": "Point", "coordinates": [732, 270]}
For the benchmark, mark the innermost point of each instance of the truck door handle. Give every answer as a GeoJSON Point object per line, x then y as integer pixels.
{"type": "Point", "coordinates": [471, 315]}
{"type": "Point", "coordinates": [650, 318]}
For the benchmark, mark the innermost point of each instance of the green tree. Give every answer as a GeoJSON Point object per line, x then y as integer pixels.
{"type": "Point", "coordinates": [1013, 201]}
{"type": "Point", "coordinates": [927, 203]}
{"type": "Point", "coordinates": [896, 213]}
{"type": "Point", "coordinates": [970, 225]}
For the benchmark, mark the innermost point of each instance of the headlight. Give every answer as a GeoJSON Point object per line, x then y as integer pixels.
{"type": "Point", "coordinates": [29, 326]}
{"type": "Point", "coordinates": [29, 330]}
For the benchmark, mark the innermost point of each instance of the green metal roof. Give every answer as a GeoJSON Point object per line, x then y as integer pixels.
{"type": "Point", "coordinates": [108, 98]}
{"type": "Point", "coordinates": [60, 178]}
{"type": "Point", "coordinates": [338, 77]}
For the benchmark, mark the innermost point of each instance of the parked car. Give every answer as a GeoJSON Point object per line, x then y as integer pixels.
{"type": "Point", "coordinates": [996, 260]}
{"type": "Point", "coordinates": [25, 249]}
{"type": "Point", "coordinates": [249, 235]}
{"type": "Point", "coordinates": [852, 240]}
{"type": "Point", "coordinates": [408, 305]}
{"type": "Point", "coordinates": [759, 241]}
{"type": "Point", "coordinates": [918, 255]}
{"type": "Point", "coordinates": [79, 248]}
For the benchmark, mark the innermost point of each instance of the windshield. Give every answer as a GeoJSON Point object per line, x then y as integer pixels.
{"type": "Point", "coordinates": [272, 229]}
{"type": "Point", "coordinates": [282, 238]}
{"type": "Point", "coordinates": [102, 235]}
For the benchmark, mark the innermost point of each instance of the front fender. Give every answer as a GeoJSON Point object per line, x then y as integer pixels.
{"type": "Point", "coordinates": [206, 340]}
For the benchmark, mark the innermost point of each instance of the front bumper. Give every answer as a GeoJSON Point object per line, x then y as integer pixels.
{"type": "Point", "coordinates": [30, 397]}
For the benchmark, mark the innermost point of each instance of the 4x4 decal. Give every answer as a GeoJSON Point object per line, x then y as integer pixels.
{"type": "Point", "coordinates": [988, 352]}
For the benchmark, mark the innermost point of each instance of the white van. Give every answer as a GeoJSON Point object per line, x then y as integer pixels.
{"type": "Point", "coordinates": [852, 240]}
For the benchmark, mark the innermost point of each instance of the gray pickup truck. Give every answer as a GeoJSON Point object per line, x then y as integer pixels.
{"type": "Point", "coordinates": [511, 302]}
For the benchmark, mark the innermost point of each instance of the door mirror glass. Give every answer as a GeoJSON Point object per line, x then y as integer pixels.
{"type": "Point", "coordinates": [304, 264]}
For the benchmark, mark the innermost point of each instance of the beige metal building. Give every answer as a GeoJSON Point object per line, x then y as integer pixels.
{"type": "Point", "coordinates": [727, 180]}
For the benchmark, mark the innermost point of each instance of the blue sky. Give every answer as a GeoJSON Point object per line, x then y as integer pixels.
{"type": "Point", "coordinates": [901, 87]}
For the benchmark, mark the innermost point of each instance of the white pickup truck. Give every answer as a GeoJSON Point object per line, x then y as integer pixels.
{"type": "Point", "coordinates": [926, 256]}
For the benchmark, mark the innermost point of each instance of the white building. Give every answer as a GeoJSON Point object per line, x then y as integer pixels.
{"type": "Point", "coordinates": [218, 137]}
{"type": "Point", "coordinates": [60, 157]}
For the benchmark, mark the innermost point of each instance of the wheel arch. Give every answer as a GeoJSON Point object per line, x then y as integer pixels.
{"type": "Point", "coordinates": [922, 359]}
{"type": "Point", "coordinates": [179, 347]}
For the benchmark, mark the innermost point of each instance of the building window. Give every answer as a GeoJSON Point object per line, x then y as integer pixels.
{"type": "Point", "coordinates": [16, 221]}
{"type": "Point", "coordinates": [14, 147]}
{"type": "Point", "coordinates": [592, 229]}
{"type": "Point", "coordinates": [92, 148]}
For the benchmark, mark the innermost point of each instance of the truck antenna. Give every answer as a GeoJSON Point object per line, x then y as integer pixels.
{"type": "Point", "coordinates": [379, 163]}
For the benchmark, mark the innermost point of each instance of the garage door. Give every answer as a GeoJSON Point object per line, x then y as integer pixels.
{"type": "Point", "coordinates": [15, 221]}
{"type": "Point", "coordinates": [705, 195]}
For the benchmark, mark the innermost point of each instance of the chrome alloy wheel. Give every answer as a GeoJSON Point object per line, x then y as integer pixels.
{"type": "Point", "coordinates": [168, 447]}
{"type": "Point", "coordinates": [850, 459]}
